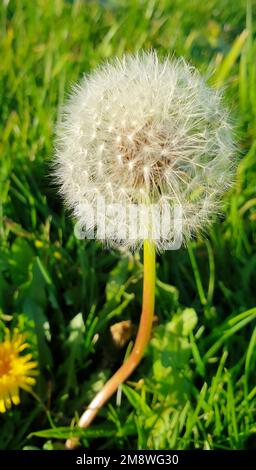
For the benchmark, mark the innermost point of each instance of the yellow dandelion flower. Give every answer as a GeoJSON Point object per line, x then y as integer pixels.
{"type": "Point", "coordinates": [17, 371]}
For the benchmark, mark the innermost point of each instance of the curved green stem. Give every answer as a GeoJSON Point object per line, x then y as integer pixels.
{"type": "Point", "coordinates": [141, 342]}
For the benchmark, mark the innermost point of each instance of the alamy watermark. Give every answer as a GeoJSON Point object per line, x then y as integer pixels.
{"type": "Point", "coordinates": [118, 222]}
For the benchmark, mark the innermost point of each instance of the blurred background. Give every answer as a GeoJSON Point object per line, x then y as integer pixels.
{"type": "Point", "coordinates": [78, 303]}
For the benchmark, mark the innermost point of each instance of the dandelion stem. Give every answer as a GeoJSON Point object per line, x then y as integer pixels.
{"type": "Point", "coordinates": [141, 342]}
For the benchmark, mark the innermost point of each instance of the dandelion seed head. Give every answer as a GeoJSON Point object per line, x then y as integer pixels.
{"type": "Point", "coordinates": [150, 130]}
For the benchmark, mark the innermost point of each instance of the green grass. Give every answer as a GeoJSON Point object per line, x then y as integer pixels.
{"type": "Point", "coordinates": [199, 385]}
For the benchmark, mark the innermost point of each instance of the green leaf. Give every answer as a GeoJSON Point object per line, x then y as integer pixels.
{"type": "Point", "coordinates": [117, 278]}
{"type": "Point", "coordinates": [21, 257]}
{"type": "Point", "coordinates": [166, 297]}
{"type": "Point", "coordinates": [171, 351]}
{"type": "Point", "coordinates": [32, 301]}
{"type": "Point", "coordinates": [74, 349]}
{"type": "Point", "coordinates": [229, 61]}
{"type": "Point", "coordinates": [137, 401]}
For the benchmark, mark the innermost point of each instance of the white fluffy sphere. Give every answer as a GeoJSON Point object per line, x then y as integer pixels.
{"type": "Point", "coordinates": [144, 131]}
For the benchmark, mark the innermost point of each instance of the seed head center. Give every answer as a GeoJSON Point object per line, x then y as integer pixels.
{"type": "Point", "coordinates": [144, 154]}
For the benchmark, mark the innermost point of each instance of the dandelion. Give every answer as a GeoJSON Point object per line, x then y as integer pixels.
{"type": "Point", "coordinates": [17, 370]}
{"type": "Point", "coordinates": [143, 131]}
